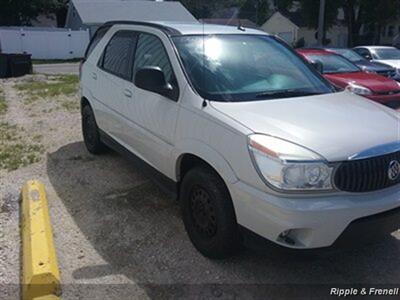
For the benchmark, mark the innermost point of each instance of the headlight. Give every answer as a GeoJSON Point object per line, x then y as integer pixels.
{"type": "Point", "coordinates": [287, 166]}
{"type": "Point", "coordinates": [358, 89]}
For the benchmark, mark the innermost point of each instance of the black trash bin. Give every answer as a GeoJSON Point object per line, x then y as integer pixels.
{"type": "Point", "coordinates": [4, 70]}
{"type": "Point", "coordinates": [19, 64]}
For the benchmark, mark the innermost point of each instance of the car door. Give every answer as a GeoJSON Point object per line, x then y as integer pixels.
{"type": "Point", "coordinates": [114, 70]}
{"type": "Point", "coordinates": [152, 116]}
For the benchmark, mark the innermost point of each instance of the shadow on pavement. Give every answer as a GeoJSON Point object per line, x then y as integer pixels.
{"type": "Point", "coordinates": [138, 232]}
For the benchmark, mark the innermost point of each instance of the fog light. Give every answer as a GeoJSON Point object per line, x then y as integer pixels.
{"type": "Point", "coordinates": [285, 237]}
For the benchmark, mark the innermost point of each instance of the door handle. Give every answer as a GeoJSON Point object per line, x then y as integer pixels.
{"type": "Point", "coordinates": [128, 93]}
{"type": "Point", "coordinates": [94, 76]}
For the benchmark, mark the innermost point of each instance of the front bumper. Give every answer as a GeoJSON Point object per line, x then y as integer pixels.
{"type": "Point", "coordinates": [312, 222]}
{"type": "Point", "coordinates": [370, 228]}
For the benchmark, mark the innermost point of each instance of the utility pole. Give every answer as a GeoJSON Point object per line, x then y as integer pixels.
{"type": "Point", "coordinates": [321, 22]}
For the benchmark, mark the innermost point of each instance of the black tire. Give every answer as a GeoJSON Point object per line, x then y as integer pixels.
{"type": "Point", "coordinates": [90, 131]}
{"type": "Point", "coordinates": [208, 213]}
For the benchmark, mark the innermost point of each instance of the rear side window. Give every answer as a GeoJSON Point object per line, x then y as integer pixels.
{"type": "Point", "coordinates": [118, 55]}
{"type": "Point", "coordinates": [150, 52]}
{"type": "Point", "coordinates": [100, 33]}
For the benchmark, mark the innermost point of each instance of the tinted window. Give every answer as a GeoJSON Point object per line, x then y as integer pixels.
{"type": "Point", "coordinates": [364, 52]}
{"type": "Point", "coordinates": [150, 52]}
{"type": "Point", "coordinates": [387, 53]}
{"type": "Point", "coordinates": [117, 57]}
{"type": "Point", "coordinates": [349, 54]}
{"type": "Point", "coordinates": [333, 63]}
{"type": "Point", "coordinates": [246, 67]}
{"type": "Point", "coordinates": [96, 39]}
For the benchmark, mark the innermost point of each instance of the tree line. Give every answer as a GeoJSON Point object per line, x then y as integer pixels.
{"type": "Point", "coordinates": [372, 14]}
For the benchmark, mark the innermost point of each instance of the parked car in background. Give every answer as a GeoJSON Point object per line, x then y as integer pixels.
{"type": "Point", "coordinates": [343, 74]}
{"type": "Point", "coordinates": [251, 139]}
{"type": "Point", "coordinates": [381, 54]}
{"type": "Point", "coordinates": [366, 65]}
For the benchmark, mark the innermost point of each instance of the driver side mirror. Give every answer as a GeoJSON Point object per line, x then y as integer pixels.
{"type": "Point", "coordinates": [318, 66]}
{"type": "Point", "coordinates": [367, 56]}
{"type": "Point", "coordinates": [152, 79]}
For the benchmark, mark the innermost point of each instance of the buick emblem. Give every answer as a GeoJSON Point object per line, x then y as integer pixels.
{"type": "Point", "coordinates": [394, 170]}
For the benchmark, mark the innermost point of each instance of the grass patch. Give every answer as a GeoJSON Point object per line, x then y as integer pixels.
{"type": "Point", "coordinates": [53, 87]}
{"type": "Point", "coordinates": [70, 106]}
{"type": "Point", "coordinates": [16, 151]}
{"type": "Point", "coordinates": [3, 103]}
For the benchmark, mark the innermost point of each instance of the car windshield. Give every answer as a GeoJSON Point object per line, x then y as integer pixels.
{"type": "Point", "coordinates": [246, 67]}
{"type": "Point", "coordinates": [386, 54]}
{"type": "Point", "coordinates": [333, 63]}
{"type": "Point", "coordinates": [349, 54]}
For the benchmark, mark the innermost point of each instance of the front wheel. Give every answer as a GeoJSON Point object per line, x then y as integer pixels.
{"type": "Point", "coordinates": [208, 213]}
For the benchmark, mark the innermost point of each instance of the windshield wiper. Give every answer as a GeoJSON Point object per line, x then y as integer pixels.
{"type": "Point", "coordinates": [286, 93]}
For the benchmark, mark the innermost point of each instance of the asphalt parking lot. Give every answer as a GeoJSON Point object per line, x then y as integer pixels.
{"type": "Point", "coordinates": [118, 236]}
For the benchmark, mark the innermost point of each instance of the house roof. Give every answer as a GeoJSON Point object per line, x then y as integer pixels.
{"type": "Point", "coordinates": [232, 22]}
{"type": "Point", "coordinates": [99, 12]}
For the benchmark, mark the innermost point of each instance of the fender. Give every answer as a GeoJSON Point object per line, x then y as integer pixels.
{"type": "Point", "coordinates": [206, 153]}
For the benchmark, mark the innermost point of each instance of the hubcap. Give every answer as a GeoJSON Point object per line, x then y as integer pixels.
{"type": "Point", "coordinates": [203, 212]}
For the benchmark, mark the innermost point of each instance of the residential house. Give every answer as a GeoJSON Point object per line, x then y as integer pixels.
{"type": "Point", "coordinates": [290, 26]}
{"type": "Point", "coordinates": [91, 14]}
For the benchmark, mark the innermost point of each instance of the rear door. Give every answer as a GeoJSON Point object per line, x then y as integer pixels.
{"type": "Point", "coordinates": [114, 71]}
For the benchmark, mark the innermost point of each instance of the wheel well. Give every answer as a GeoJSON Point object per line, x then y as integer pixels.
{"type": "Point", "coordinates": [188, 162]}
{"type": "Point", "coordinates": [84, 102]}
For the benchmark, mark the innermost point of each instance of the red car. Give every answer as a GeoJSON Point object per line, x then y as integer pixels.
{"type": "Point", "coordinates": [344, 74]}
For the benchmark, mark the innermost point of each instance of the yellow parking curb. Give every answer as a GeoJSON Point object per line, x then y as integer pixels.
{"type": "Point", "coordinates": [40, 274]}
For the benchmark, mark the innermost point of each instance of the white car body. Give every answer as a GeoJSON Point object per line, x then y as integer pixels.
{"type": "Point", "coordinates": [395, 63]}
{"type": "Point", "coordinates": [337, 126]}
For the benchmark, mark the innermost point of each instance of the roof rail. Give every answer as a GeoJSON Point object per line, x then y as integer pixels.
{"type": "Point", "coordinates": [166, 29]}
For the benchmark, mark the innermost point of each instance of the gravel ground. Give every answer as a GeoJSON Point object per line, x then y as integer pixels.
{"type": "Point", "coordinates": [118, 237]}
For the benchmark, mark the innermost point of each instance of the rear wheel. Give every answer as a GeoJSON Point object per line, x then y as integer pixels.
{"type": "Point", "coordinates": [90, 131]}
{"type": "Point", "coordinates": [208, 213]}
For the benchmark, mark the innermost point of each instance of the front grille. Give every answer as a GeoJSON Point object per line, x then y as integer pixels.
{"type": "Point", "coordinates": [388, 93]}
{"type": "Point", "coordinates": [366, 175]}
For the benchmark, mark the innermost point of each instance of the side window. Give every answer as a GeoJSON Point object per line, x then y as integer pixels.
{"type": "Point", "coordinates": [363, 52]}
{"type": "Point", "coordinates": [96, 39]}
{"type": "Point", "coordinates": [118, 55]}
{"type": "Point", "coordinates": [150, 52]}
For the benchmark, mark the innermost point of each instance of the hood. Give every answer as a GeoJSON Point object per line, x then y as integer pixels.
{"type": "Point", "coordinates": [395, 63]}
{"type": "Point", "coordinates": [336, 125]}
{"type": "Point", "coordinates": [373, 66]}
{"type": "Point", "coordinates": [375, 82]}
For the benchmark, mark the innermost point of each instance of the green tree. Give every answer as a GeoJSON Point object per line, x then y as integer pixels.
{"type": "Point", "coordinates": [255, 10]}
{"type": "Point", "coordinates": [203, 9]}
{"type": "Point", "coordinates": [369, 13]}
{"type": "Point", "coordinates": [22, 12]}
{"type": "Point", "coordinates": [19, 12]}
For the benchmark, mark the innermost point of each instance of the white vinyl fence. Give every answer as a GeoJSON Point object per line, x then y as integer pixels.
{"type": "Point", "coordinates": [45, 43]}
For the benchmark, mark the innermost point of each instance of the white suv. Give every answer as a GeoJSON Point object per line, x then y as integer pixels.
{"type": "Point", "coordinates": [252, 140]}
